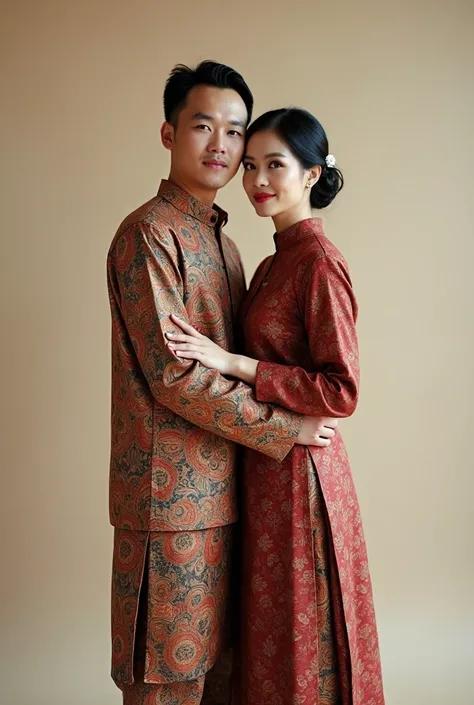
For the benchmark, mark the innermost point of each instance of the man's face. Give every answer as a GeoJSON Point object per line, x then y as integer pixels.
{"type": "Point", "coordinates": [207, 142]}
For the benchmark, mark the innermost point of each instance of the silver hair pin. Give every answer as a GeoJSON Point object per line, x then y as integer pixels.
{"type": "Point", "coordinates": [330, 161]}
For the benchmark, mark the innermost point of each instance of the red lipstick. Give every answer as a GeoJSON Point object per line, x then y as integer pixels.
{"type": "Point", "coordinates": [263, 197]}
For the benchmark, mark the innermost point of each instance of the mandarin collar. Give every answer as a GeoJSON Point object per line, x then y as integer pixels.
{"type": "Point", "coordinates": [304, 229]}
{"type": "Point", "coordinates": [184, 202]}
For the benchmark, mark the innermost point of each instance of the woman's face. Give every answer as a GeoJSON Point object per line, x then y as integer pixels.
{"type": "Point", "coordinates": [274, 179]}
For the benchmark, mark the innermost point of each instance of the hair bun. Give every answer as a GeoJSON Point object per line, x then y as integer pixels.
{"type": "Point", "coordinates": [326, 187]}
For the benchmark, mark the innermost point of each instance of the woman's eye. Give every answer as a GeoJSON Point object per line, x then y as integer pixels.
{"type": "Point", "coordinates": [275, 165]}
{"type": "Point", "coordinates": [248, 166]}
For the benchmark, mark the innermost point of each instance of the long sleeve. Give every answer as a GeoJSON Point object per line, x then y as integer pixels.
{"type": "Point", "coordinates": [329, 309]}
{"type": "Point", "coordinates": [146, 283]}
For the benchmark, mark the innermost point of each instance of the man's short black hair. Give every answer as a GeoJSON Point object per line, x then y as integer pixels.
{"type": "Point", "coordinates": [208, 73]}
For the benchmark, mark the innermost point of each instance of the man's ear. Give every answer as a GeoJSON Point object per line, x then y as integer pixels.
{"type": "Point", "coordinates": [167, 135]}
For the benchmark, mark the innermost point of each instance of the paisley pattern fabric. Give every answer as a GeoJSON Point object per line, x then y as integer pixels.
{"type": "Point", "coordinates": [172, 608]}
{"type": "Point", "coordinates": [309, 634]}
{"type": "Point", "coordinates": [175, 424]}
{"type": "Point", "coordinates": [174, 427]}
{"type": "Point", "coordinates": [180, 693]}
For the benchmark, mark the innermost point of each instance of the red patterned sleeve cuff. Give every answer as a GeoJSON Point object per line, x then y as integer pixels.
{"type": "Point", "coordinates": [265, 383]}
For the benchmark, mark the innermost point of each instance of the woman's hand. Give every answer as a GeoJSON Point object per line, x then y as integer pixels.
{"type": "Point", "coordinates": [192, 345]}
{"type": "Point", "coordinates": [317, 431]}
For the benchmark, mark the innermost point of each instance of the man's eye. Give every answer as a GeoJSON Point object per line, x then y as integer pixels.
{"type": "Point", "coordinates": [235, 132]}
{"type": "Point", "coordinates": [203, 127]}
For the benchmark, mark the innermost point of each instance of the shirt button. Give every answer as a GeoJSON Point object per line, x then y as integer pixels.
{"type": "Point", "coordinates": [213, 219]}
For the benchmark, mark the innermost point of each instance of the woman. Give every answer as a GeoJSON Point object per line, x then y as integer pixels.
{"type": "Point", "coordinates": [309, 632]}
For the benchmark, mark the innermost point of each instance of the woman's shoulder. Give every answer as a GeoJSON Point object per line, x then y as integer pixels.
{"type": "Point", "coordinates": [262, 267]}
{"type": "Point", "coordinates": [319, 246]}
{"type": "Point", "coordinates": [264, 263]}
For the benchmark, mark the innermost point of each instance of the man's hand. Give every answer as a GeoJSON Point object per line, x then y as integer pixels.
{"type": "Point", "coordinates": [317, 431]}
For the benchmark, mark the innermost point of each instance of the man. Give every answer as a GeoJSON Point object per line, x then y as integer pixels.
{"type": "Point", "coordinates": [175, 423]}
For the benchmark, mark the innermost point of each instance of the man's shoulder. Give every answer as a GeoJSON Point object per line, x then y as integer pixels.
{"type": "Point", "coordinates": [157, 215]}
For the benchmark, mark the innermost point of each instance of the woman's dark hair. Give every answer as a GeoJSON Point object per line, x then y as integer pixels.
{"type": "Point", "coordinates": [182, 80]}
{"type": "Point", "coordinates": [306, 138]}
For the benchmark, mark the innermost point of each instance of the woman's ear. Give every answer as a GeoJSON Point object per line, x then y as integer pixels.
{"type": "Point", "coordinates": [314, 175]}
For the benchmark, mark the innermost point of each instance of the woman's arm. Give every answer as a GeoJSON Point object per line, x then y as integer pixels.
{"type": "Point", "coordinates": [330, 311]}
{"type": "Point", "coordinates": [190, 344]}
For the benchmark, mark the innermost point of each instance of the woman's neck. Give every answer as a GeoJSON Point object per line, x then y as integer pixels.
{"type": "Point", "coordinates": [287, 218]}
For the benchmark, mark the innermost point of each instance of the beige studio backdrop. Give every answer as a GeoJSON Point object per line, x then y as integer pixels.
{"type": "Point", "coordinates": [81, 92]}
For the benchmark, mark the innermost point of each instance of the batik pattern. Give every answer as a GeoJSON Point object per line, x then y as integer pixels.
{"type": "Point", "coordinates": [299, 320]}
